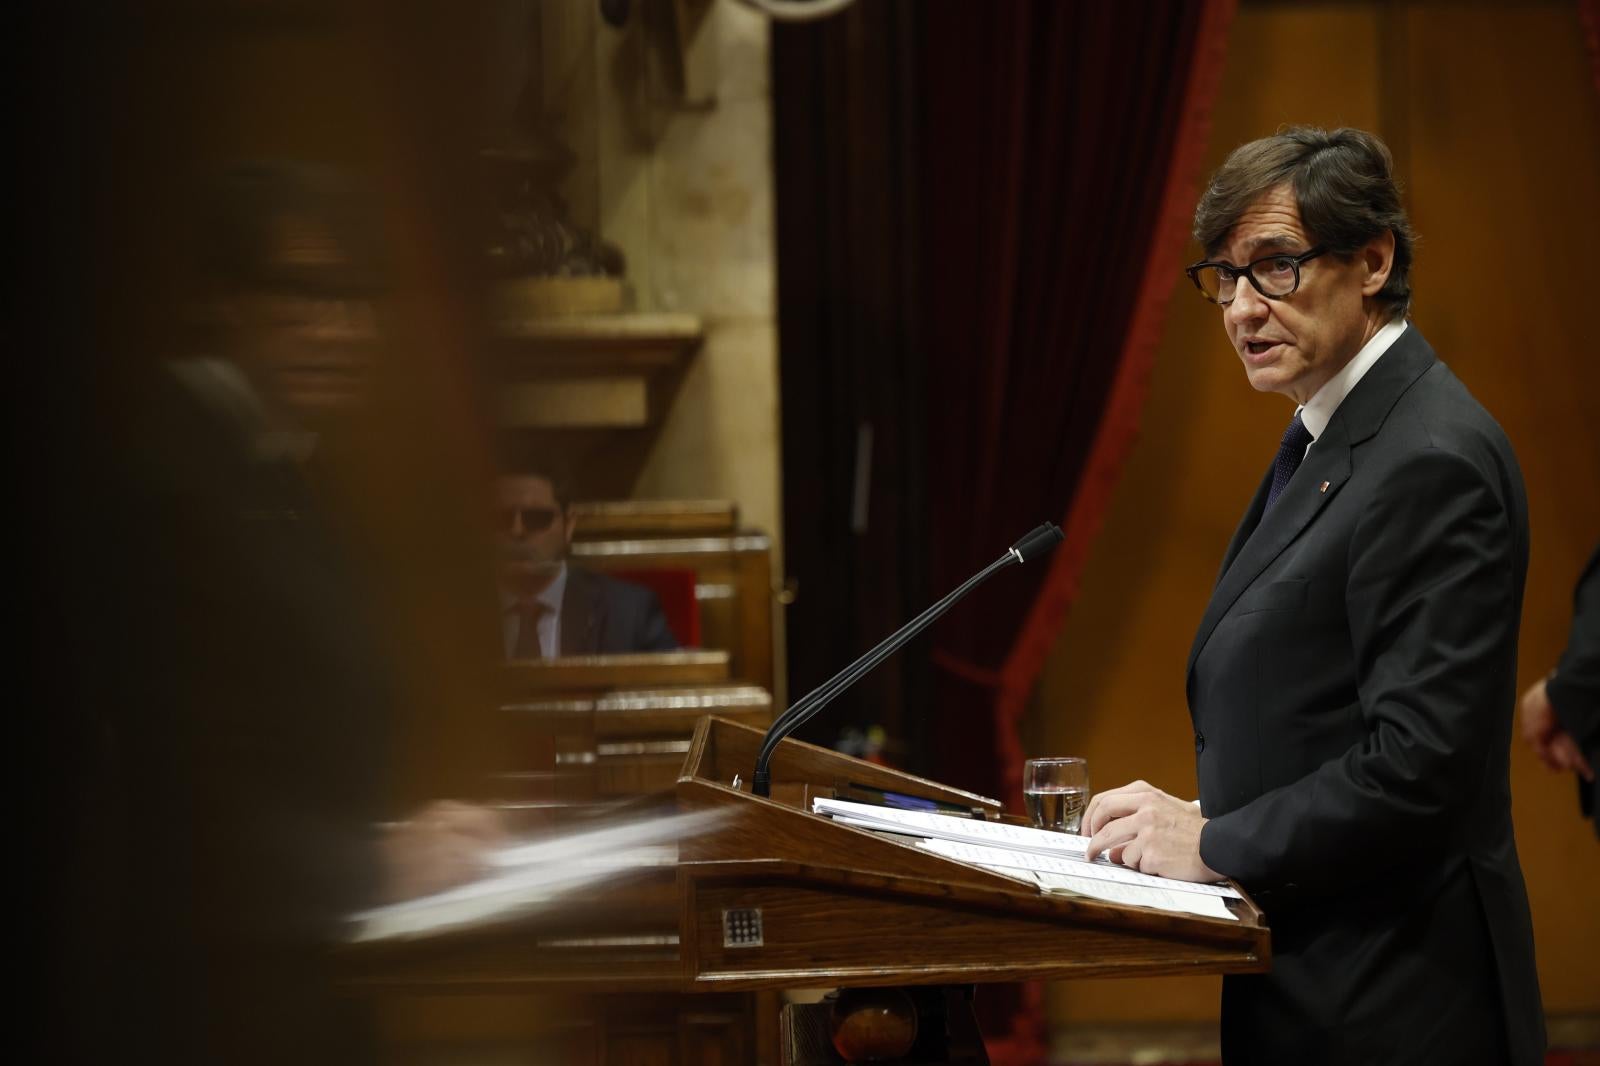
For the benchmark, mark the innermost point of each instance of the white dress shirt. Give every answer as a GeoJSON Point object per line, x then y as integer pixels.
{"type": "Point", "coordinates": [1318, 411]}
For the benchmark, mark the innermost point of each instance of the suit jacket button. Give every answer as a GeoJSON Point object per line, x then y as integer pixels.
{"type": "Point", "coordinates": [1199, 743]}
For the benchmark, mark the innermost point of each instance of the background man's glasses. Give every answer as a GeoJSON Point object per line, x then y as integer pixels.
{"type": "Point", "coordinates": [534, 519]}
{"type": "Point", "coordinates": [1274, 276]}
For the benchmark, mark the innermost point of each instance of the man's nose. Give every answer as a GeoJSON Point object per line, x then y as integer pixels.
{"type": "Point", "coordinates": [344, 321]}
{"type": "Point", "coordinates": [1248, 305]}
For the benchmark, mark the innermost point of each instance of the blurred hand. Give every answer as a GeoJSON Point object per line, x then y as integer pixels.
{"type": "Point", "coordinates": [1145, 828]}
{"type": "Point", "coordinates": [439, 847]}
{"type": "Point", "coordinates": [1552, 744]}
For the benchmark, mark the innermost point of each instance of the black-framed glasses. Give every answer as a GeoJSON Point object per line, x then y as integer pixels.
{"type": "Point", "coordinates": [1274, 276]}
{"type": "Point", "coordinates": [534, 519]}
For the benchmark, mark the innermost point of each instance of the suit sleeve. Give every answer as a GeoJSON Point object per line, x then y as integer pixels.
{"type": "Point", "coordinates": [1431, 597]}
{"type": "Point", "coordinates": [1574, 691]}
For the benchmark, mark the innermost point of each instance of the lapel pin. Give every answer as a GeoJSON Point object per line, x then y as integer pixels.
{"type": "Point", "coordinates": [1323, 487]}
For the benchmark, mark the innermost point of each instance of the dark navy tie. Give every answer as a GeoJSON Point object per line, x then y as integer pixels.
{"type": "Point", "coordinates": [1290, 453]}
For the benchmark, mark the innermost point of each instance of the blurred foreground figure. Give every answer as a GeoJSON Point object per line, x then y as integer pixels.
{"type": "Point", "coordinates": [1352, 681]}
{"type": "Point", "coordinates": [1561, 714]}
{"type": "Point", "coordinates": [241, 691]}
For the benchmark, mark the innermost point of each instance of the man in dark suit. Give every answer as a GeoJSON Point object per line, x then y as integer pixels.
{"type": "Point", "coordinates": [548, 606]}
{"type": "Point", "coordinates": [1561, 713]}
{"type": "Point", "coordinates": [1352, 679]}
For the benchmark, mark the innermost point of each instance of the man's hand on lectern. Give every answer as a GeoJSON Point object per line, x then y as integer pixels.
{"type": "Point", "coordinates": [1145, 828]}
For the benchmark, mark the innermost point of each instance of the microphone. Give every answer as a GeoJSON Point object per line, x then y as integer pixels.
{"type": "Point", "coordinates": [1038, 542]}
{"type": "Point", "coordinates": [1030, 547]}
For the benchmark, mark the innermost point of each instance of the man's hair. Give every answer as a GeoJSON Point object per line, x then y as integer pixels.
{"type": "Point", "coordinates": [521, 457]}
{"type": "Point", "coordinates": [293, 225]}
{"type": "Point", "coordinates": [560, 483]}
{"type": "Point", "coordinates": [1344, 186]}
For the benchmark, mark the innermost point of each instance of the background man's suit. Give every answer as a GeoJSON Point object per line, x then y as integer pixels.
{"type": "Point", "coordinates": [1351, 687]}
{"type": "Point", "coordinates": [603, 616]}
{"type": "Point", "coordinates": [1574, 690]}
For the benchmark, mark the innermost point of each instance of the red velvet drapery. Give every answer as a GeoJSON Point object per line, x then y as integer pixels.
{"type": "Point", "coordinates": [1060, 148]}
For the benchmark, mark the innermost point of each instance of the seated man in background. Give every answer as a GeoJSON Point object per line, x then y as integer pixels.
{"type": "Point", "coordinates": [549, 608]}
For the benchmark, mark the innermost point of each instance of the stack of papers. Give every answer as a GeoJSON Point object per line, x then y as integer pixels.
{"type": "Point", "coordinates": [1053, 861]}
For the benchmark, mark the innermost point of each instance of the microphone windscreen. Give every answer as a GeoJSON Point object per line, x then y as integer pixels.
{"type": "Point", "coordinates": [1038, 542]}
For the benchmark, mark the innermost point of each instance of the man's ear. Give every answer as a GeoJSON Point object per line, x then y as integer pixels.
{"type": "Point", "coordinates": [1377, 260]}
{"type": "Point", "coordinates": [571, 521]}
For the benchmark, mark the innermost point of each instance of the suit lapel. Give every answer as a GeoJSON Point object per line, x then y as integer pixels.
{"type": "Point", "coordinates": [1359, 417]}
{"type": "Point", "coordinates": [1328, 463]}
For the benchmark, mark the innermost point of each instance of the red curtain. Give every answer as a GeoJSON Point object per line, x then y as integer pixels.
{"type": "Point", "coordinates": [1061, 145]}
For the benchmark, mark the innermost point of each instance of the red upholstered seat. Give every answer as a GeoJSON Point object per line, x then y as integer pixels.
{"type": "Point", "coordinates": [675, 590]}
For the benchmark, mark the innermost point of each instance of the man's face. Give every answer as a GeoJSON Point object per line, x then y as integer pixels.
{"type": "Point", "coordinates": [1294, 344]}
{"type": "Point", "coordinates": [310, 355]}
{"type": "Point", "coordinates": [533, 530]}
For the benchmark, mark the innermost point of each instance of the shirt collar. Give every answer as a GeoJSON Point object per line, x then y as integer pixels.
{"type": "Point", "coordinates": [1318, 411]}
{"type": "Point", "coordinates": [550, 596]}
{"type": "Point", "coordinates": [554, 592]}
{"type": "Point", "coordinates": [226, 388]}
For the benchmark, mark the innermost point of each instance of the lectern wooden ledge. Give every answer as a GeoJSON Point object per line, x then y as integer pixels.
{"type": "Point", "coordinates": [774, 897]}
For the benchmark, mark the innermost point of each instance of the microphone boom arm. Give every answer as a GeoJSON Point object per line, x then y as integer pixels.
{"type": "Point", "coordinates": [1035, 543]}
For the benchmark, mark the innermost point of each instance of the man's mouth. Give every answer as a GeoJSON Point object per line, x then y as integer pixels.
{"type": "Point", "coordinates": [514, 556]}
{"type": "Point", "coordinates": [1256, 350]}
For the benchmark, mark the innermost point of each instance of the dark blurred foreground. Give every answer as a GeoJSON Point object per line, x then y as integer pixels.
{"type": "Point", "coordinates": [243, 411]}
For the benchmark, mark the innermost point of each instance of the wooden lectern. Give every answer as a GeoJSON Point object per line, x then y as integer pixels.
{"type": "Point", "coordinates": [772, 897]}
{"type": "Point", "coordinates": [778, 897]}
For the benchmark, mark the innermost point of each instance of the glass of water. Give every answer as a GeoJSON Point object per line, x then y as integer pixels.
{"type": "Point", "coordinates": [1056, 791]}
